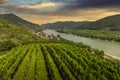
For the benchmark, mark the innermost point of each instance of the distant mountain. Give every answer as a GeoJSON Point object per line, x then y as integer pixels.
{"type": "Point", "coordinates": [64, 25]}
{"type": "Point", "coordinates": [20, 22]}
{"type": "Point", "coordinates": [111, 23]}
{"type": "Point", "coordinates": [108, 23]}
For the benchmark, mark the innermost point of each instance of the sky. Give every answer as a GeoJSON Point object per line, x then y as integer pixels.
{"type": "Point", "coordinates": [49, 11]}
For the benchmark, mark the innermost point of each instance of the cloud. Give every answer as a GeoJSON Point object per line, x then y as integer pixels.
{"type": "Point", "coordinates": [36, 9]}
{"type": "Point", "coordinates": [81, 4]}
{"type": "Point", "coordinates": [3, 1]}
{"type": "Point", "coordinates": [96, 3]}
{"type": "Point", "coordinates": [55, 10]}
{"type": "Point", "coordinates": [57, 7]}
{"type": "Point", "coordinates": [76, 15]}
{"type": "Point", "coordinates": [39, 5]}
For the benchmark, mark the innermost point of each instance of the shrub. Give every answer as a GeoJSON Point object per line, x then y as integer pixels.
{"type": "Point", "coordinates": [7, 45]}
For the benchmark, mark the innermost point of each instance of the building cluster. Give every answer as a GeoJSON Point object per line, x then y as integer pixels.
{"type": "Point", "coordinates": [46, 36]}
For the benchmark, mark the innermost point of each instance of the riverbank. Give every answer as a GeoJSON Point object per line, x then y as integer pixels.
{"type": "Point", "coordinates": [111, 47]}
{"type": "Point", "coordinates": [109, 56]}
{"type": "Point", "coordinates": [103, 35]}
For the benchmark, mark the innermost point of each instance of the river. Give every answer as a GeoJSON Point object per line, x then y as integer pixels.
{"type": "Point", "coordinates": [109, 47]}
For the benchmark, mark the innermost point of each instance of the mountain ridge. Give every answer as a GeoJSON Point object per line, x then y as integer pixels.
{"type": "Point", "coordinates": [20, 22]}
{"type": "Point", "coordinates": [63, 25]}
{"type": "Point", "coordinates": [109, 23]}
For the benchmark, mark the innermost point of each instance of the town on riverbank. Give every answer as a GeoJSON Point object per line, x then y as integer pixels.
{"type": "Point", "coordinates": [43, 35]}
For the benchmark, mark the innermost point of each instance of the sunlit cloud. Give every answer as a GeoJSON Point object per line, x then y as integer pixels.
{"type": "Point", "coordinates": [3, 1]}
{"type": "Point", "coordinates": [81, 15]}
{"type": "Point", "coordinates": [39, 5]}
{"type": "Point", "coordinates": [45, 11]}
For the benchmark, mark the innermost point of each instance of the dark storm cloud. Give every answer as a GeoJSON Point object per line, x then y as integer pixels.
{"type": "Point", "coordinates": [81, 4]}
{"type": "Point", "coordinates": [75, 4]}
{"type": "Point", "coordinates": [3, 1]}
{"type": "Point", "coordinates": [67, 7]}
{"type": "Point", "coordinates": [97, 3]}
{"type": "Point", "coordinates": [71, 6]}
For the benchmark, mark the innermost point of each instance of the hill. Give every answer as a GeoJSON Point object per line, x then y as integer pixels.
{"type": "Point", "coordinates": [63, 25]}
{"type": "Point", "coordinates": [111, 23]}
{"type": "Point", "coordinates": [56, 62]}
{"type": "Point", "coordinates": [50, 59]}
{"type": "Point", "coordinates": [107, 28]}
{"type": "Point", "coordinates": [12, 35]}
{"type": "Point", "coordinates": [20, 22]}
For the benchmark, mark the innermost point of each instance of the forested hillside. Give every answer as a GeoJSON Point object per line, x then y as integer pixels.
{"type": "Point", "coordinates": [107, 28]}
{"type": "Point", "coordinates": [101, 34]}
{"type": "Point", "coordinates": [111, 23]}
{"type": "Point", "coordinates": [63, 25]}
{"type": "Point", "coordinates": [20, 22]}
{"type": "Point", "coordinates": [11, 35]}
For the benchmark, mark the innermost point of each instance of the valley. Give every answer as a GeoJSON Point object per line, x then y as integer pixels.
{"type": "Point", "coordinates": [59, 39]}
{"type": "Point", "coordinates": [32, 54]}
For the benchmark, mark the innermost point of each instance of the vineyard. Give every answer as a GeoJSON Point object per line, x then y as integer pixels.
{"type": "Point", "coordinates": [56, 62]}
